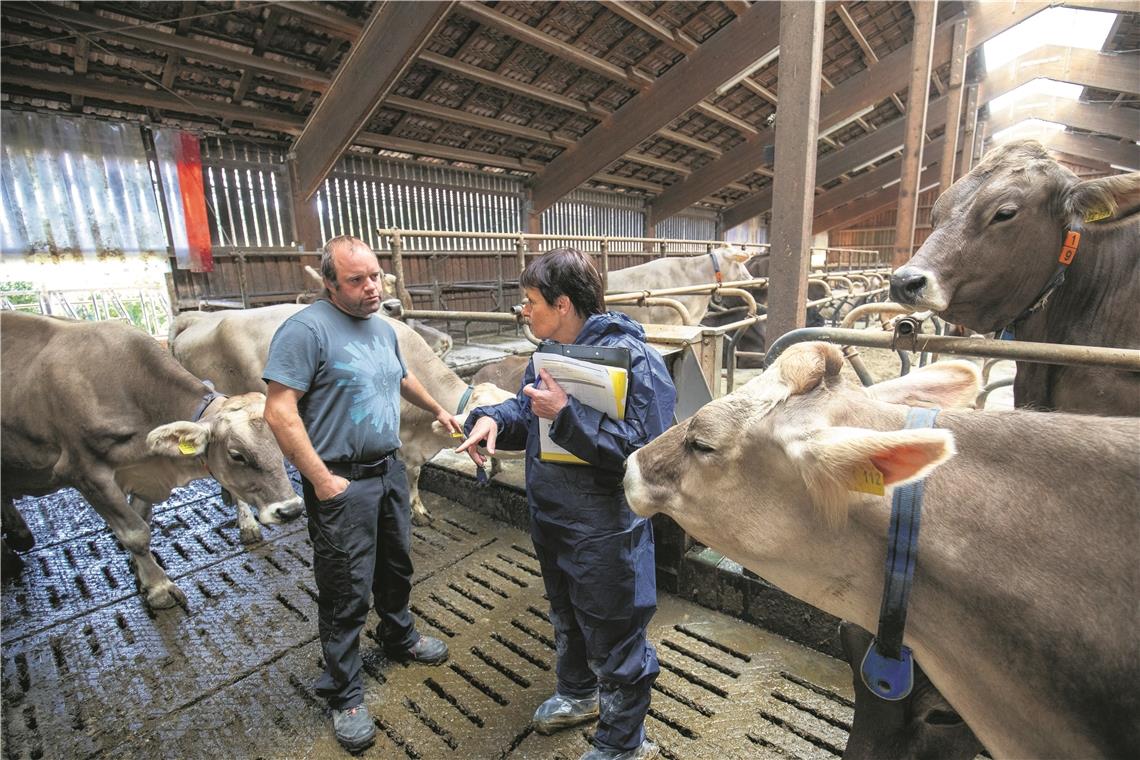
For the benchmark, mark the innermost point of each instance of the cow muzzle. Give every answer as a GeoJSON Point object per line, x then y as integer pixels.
{"type": "Point", "coordinates": [912, 286]}
{"type": "Point", "coordinates": [281, 511]}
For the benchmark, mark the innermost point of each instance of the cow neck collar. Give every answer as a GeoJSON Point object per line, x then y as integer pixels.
{"type": "Point", "coordinates": [888, 666]}
{"type": "Point", "coordinates": [464, 399]}
{"type": "Point", "coordinates": [1068, 253]}
{"type": "Point", "coordinates": [207, 399]}
{"type": "Point", "coordinates": [716, 267]}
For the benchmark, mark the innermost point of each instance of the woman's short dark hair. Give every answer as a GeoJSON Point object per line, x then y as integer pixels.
{"type": "Point", "coordinates": [566, 272]}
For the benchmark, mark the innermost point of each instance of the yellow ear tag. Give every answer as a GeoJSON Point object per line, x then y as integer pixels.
{"type": "Point", "coordinates": [867, 479]}
{"type": "Point", "coordinates": [1097, 214]}
{"type": "Point", "coordinates": [187, 448]}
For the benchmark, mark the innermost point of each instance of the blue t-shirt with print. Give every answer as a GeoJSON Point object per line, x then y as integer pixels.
{"type": "Point", "coordinates": [349, 370]}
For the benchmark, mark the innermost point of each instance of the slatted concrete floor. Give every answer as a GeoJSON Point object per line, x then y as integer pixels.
{"type": "Point", "coordinates": [89, 671]}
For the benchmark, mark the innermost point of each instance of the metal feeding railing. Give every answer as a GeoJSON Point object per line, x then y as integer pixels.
{"type": "Point", "coordinates": [145, 308]}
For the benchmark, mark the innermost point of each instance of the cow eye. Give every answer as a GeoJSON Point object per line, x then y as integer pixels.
{"type": "Point", "coordinates": [696, 444]}
{"type": "Point", "coordinates": [237, 456]}
{"type": "Point", "coordinates": [1005, 214]}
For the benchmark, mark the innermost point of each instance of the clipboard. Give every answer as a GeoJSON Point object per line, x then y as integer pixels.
{"type": "Point", "coordinates": [603, 389]}
{"type": "Point", "coordinates": [610, 356]}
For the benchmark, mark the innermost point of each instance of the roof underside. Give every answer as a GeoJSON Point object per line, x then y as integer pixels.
{"type": "Point", "coordinates": [502, 87]}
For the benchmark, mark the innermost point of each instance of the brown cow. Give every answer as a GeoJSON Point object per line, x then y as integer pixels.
{"type": "Point", "coordinates": [998, 234]}
{"type": "Point", "coordinates": [99, 406]}
{"type": "Point", "coordinates": [1023, 611]}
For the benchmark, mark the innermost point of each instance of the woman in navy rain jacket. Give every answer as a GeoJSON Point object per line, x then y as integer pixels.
{"type": "Point", "coordinates": [596, 555]}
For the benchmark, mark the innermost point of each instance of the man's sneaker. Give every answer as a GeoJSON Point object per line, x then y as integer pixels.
{"type": "Point", "coordinates": [427, 650]}
{"type": "Point", "coordinates": [354, 728]}
{"type": "Point", "coordinates": [561, 712]}
{"type": "Point", "coordinates": [647, 750]}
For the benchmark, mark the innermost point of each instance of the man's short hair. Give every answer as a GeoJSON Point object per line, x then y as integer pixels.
{"type": "Point", "coordinates": [566, 272]}
{"type": "Point", "coordinates": [328, 266]}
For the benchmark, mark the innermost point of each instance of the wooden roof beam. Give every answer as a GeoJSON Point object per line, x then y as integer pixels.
{"type": "Point", "coordinates": [673, 37]}
{"type": "Point", "coordinates": [1104, 150]}
{"type": "Point", "coordinates": [853, 29]}
{"type": "Point", "coordinates": [484, 76]}
{"type": "Point", "coordinates": [389, 43]}
{"type": "Point", "coordinates": [1093, 117]}
{"type": "Point", "coordinates": [1084, 67]}
{"type": "Point", "coordinates": [324, 18]}
{"type": "Point", "coordinates": [63, 17]}
{"type": "Point", "coordinates": [559, 49]}
{"type": "Point", "coordinates": [728, 52]}
{"type": "Point", "coordinates": [861, 91]}
{"type": "Point", "coordinates": [113, 92]}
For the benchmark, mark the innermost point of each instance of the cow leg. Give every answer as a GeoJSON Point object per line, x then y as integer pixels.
{"type": "Point", "coordinates": [134, 534]}
{"type": "Point", "coordinates": [496, 467]}
{"type": "Point", "coordinates": [420, 514]}
{"type": "Point", "coordinates": [15, 530]}
{"type": "Point", "coordinates": [248, 527]}
{"type": "Point", "coordinates": [142, 508]}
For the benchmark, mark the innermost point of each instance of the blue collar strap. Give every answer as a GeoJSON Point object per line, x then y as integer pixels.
{"type": "Point", "coordinates": [1068, 253]}
{"type": "Point", "coordinates": [207, 399]}
{"type": "Point", "coordinates": [888, 666]}
{"type": "Point", "coordinates": [716, 267]}
{"type": "Point", "coordinates": [464, 399]}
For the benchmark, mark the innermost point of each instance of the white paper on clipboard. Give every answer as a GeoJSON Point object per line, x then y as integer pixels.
{"type": "Point", "coordinates": [598, 386]}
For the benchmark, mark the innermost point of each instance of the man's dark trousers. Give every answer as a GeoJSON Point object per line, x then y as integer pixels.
{"type": "Point", "coordinates": [361, 543]}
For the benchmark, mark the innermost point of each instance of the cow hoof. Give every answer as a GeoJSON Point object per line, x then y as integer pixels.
{"type": "Point", "coordinates": [251, 535]}
{"type": "Point", "coordinates": [165, 596]}
{"type": "Point", "coordinates": [421, 518]}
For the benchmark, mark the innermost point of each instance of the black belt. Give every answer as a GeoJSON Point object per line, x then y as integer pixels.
{"type": "Point", "coordinates": [361, 470]}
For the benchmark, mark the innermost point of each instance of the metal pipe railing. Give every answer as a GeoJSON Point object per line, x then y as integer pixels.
{"type": "Point", "coordinates": [1045, 353]}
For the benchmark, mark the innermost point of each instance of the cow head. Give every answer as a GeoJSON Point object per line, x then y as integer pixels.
{"type": "Point", "coordinates": [240, 452]}
{"type": "Point", "coordinates": [732, 263]}
{"type": "Point", "coordinates": [793, 440]}
{"type": "Point", "coordinates": [998, 232]}
{"type": "Point", "coordinates": [923, 726]}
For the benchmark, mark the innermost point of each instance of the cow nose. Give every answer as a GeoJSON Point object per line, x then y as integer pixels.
{"type": "Point", "coordinates": [907, 284]}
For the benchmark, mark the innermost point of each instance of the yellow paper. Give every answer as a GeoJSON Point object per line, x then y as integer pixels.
{"type": "Point", "coordinates": [867, 479]}
{"type": "Point", "coordinates": [596, 385]}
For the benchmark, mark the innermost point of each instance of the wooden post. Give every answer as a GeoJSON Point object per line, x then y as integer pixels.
{"type": "Point", "coordinates": [923, 51]}
{"type": "Point", "coordinates": [533, 221]}
{"type": "Point", "coordinates": [605, 264]}
{"type": "Point", "coordinates": [793, 190]}
{"type": "Point", "coordinates": [969, 130]}
{"type": "Point", "coordinates": [306, 220]}
{"type": "Point", "coordinates": [953, 105]}
{"type": "Point", "coordinates": [398, 270]}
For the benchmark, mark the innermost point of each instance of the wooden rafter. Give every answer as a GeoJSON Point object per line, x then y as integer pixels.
{"type": "Point", "coordinates": [862, 90]}
{"type": "Point", "coordinates": [1093, 117]}
{"type": "Point", "coordinates": [674, 38]}
{"type": "Point", "coordinates": [680, 88]}
{"type": "Point", "coordinates": [390, 41]}
{"type": "Point", "coordinates": [187, 46]}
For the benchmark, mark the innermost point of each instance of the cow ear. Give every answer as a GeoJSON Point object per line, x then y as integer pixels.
{"type": "Point", "coordinates": [843, 460]}
{"type": "Point", "coordinates": [945, 384]}
{"type": "Point", "coordinates": [736, 254]}
{"type": "Point", "coordinates": [804, 365]}
{"type": "Point", "coordinates": [179, 439]}
{"type": "Point", "coordinates": [1105, 199]}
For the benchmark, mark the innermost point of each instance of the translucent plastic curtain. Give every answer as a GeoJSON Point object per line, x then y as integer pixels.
{"type": "Point", "coordinates": [74, 188]}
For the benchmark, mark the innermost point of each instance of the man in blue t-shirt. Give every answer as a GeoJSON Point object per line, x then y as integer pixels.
{"type": "Point", "coordinates": [335, 378]}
